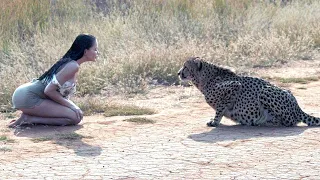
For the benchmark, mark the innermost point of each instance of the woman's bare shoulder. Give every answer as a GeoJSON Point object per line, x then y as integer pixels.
{"type": "Point", "coordinates": [69, 69]}
{"type": "Point", "coordinates": [71, 66]}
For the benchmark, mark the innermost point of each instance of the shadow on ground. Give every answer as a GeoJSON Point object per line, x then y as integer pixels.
{"type": "Point", "coordinates": [239, 132]}
{"type": "Point", "coordinates": [61, 135]}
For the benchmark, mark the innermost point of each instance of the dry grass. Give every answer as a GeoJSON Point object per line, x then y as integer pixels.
{"type": "Point", "coordinates": [72, 136]}
{"type": "Point", "coordinates": [6, 139]}
{"type": "Point", "coordinates": [91, 105]}
{"type": "Point", "coordinates": [140, 120]}
{"type": "Point", "coordinates": [61, 137]}
{"type": "Point", "coordinates": [124, 110]}
{"type": "Point", "coordinates": [145, 40]}
{"type": "Point", "coordinates": [303, 80]}
{"type": "Point", "coordinates": [298, 80]}
{"type": "Point", "coordinates": [5, 149]}
{"type": "Point", "coordinates": [41, 139]}
{"type": "Point", "coordinates": [3, 138]}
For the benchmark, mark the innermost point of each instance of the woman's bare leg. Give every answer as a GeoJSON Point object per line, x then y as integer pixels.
{"type": "Point", "coordinates": [48, 112]}
{"type": "Point", "coordinates": [26, 119]}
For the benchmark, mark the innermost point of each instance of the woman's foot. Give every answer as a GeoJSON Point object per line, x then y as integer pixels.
{"type": "Point", "coordinates": [22, 120]}
{"type": "Point", "coordinates": [12, 123]}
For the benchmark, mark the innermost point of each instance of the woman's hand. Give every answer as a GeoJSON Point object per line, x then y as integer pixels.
{"type": "Point", "coordinates": [78, 112]}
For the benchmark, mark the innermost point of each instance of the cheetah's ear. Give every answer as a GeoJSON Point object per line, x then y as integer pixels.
{"type": "Point", "coordinates": [198, 62]}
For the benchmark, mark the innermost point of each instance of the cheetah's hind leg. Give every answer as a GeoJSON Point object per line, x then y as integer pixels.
{"type": "Point", "coordinates": [281, 103]}
{"type": "Point", "coordinates": [268, 118]}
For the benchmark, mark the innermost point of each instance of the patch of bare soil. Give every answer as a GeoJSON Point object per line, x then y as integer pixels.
{"type": "Point", "coordinates": [180, 122]}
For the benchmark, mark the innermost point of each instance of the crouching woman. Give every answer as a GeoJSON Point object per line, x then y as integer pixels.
{"type": "Point", "coordinates": [45, 100]}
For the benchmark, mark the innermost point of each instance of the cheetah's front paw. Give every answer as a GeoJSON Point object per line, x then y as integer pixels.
{"type": "Point", "coordinates": [212, 124]}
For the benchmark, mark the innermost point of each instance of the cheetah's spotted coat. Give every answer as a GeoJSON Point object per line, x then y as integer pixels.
{"type": "Point", "coordinates": [245, 100]}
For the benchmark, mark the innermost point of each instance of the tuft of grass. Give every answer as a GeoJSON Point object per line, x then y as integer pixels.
{"type": "Point", "coordinates": [125, 110]}
{"type": "Point", "coordinates": [69, 136]}
{"type": "Point", "coordinates": [297, 80]}
{"type": "Point", "coordinates": [6, 139]}
{"type": "Point", "coordinates": [303, 80]}
{"type": "Point", "coordinates": [303, 88]}
{"type": "Point", "coordinates": [140, 120]}
{"type": "Point", "coordinates": [72, 136]}
{"type": "Point", "coordinates": [41, 139]}
{"type": "Point", "coordinates": [92, 105]}
{"type": "Point", "coordinates": [5, 149]}
{"type": "Point", "coordinates": [3, 138]}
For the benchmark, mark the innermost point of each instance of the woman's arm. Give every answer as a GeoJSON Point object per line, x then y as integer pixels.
{"type": "Point", "coordinates": [66, 73]}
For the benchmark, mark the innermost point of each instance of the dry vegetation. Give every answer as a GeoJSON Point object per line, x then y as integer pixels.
{"type": "Point", "coordinates": [141, 40]}
{"type": "Point", "coordinates": [92, 105]}
{"type": "Point", "coordinates": [140, 120]}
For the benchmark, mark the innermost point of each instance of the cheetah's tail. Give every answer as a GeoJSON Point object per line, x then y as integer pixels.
{"type": "Point", "coordinates": [309, 120]}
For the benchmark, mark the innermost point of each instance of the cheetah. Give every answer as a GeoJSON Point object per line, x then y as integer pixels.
{"type": "Point", "coordinates": [243, 99]}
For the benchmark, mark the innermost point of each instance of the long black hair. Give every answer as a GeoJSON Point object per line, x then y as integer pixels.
{"type": "Point", "coordinates": [76, 51]}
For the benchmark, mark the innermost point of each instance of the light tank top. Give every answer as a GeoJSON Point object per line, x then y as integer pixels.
{"type": "Point", "coordinates": [67, 89]}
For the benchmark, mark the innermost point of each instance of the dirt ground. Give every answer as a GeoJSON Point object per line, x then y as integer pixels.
{"type": "Point", "coordinates": [178, 145]}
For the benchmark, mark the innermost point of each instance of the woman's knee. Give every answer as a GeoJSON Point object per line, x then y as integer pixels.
{"type": "Point", "coordinates": [76, 121]}
{"type": "Point", "coordinates": [70, 122]}
{"type": "Point", "coordinates": [74, 118]}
